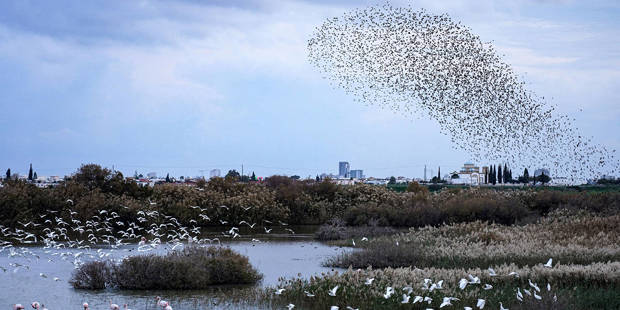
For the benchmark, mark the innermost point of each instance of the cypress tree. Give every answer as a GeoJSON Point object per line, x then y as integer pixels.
{"type": "Point", "coordinates": [499, 174]}
{"type": "Point", "coordinates": [30, 173]}
{"type": "Point", "coordinates": [8, 174]}
{"type": "Point", "coordinates": [439, 174]}
{"type": "Point", "coordinates": [493, 176]}
{"type": "Point", "coordinates": [168, 178]}
{"type": "Point", "coordinates": [34, 177]}
{"type": "Point", "coordinates": [526, 176]}
{"type": "Point", "coordinates": [253, 176]}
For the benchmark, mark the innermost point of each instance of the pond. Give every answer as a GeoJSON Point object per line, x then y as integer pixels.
{"type": "Point", "coordinates": [275, 255]}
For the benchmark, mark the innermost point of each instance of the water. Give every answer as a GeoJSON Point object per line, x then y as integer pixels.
{"type": "Point", "coordinates": [279, 256]}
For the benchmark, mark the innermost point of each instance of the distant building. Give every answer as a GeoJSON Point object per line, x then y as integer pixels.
{"type": "Point", "coordinates": [357, 174]}
{"type": "Point", "coordinates": [151, 175]}
{"type": "Point", "coordinates": [344, 169]}
{"type": "Point", "coordinates": [215, 173]}
{"type": "Point", "coordinates": [469, 175]}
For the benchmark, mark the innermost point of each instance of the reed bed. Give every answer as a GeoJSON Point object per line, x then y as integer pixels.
{"type": "Point", "coordinates": [567, 237]}
{"type": "Point", "coordinates": [584, 272]}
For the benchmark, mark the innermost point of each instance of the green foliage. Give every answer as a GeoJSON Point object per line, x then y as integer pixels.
{"type": "Point", "coordinates": [392, 180]}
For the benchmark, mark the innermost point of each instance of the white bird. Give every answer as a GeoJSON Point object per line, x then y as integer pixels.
{"type": "Point", "coordinates": [308, 294]}
{"type": "Point", "coordinates": [526, 291]}
{"type": "Point", "coordinates": [290, 306]}
{"type": "Point", "coordinates": [473, 280]}
{"type": "Point", "coordinates": [480, 303]}
{"type": "Point", "coordinates": [463, 284]}
{"type": "Point", "coordinates": [353, 240]}
{"type": "Point", "coordinates": [405, 299]}
{"type": "Point", "coordinates": [534, 285]}
{"type": "Point", "coordinates": [364, 239]}
{"type": "Point", "coordinates": [151, 203]}
{"type": "Point", "coordinates": [70, 201]}
{"type": "Point", "coordinates": [487, 287]}
{"type": "Point", "coordinates": [428, 300]}
{"type": "Point", "coordinates": [468, 308]}
{"type": "Point", "coordinates": [514, 273]}
{"type": "Point", "coordinates": [279, 291]}
{"type": "Point", "coordinates": [447, 301]}
{"type": "Point", "coordinates": [388, 292]}
{"type": "Point", "coordinates": [549, 262]}
{"type": "Point", "coordinates": [519, 295]}
{"type": "Point", "coordinates": [537, 296]}
{"type": "Point", "coordinates": [492, 272]}
{"type": "Point", "coordinates": [332, 292]}
{"type": "Point", "coordinates": [369, 281]}
{"type": "Point", "coordinates": [334, 308]}
{"type": "Point", "coordinates": [501, 307]}
{"type": "Point", "coordinates": [548, 287]}
{"type": "Point", "coordinates": [42, 275]}
{"type": "Point", "coordinates": [417, 299]}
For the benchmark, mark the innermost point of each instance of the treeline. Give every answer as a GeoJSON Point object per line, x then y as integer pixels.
{"type": "Point", "coordinates": [223, 201]}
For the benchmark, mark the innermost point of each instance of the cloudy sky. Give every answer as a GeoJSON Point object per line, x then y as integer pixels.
{"type": "Point", "coordinates": [184, 86]}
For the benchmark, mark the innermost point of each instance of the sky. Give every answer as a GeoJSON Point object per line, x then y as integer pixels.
{"type": "Point", "coordinates": [183, 87]}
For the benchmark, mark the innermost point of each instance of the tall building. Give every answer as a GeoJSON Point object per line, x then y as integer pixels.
{"type": "Point", "coordinates": [357, 174]}
{"type": "Point", "coordinates": [343, 169]}
{"type": "Point", "coordinates": [215, 173]}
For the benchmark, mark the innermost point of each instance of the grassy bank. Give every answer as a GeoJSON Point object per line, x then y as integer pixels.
{"type": "Point", "coordinates": [190, 268]}
{"type": "Point", "coordinates": [584, 272]}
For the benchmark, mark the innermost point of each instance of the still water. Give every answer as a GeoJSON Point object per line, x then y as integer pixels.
{"type": "Point", "coordinates": [279, 256]}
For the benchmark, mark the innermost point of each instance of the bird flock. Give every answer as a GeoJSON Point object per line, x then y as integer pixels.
{"type": "Point", "coordinates": [64, 237]}
{"type": "Point", "coordinates": [420, 64]}
{"type": "Point", "coordinates": [429, 286]}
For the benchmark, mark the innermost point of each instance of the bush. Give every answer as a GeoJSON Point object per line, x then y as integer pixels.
{"type": "Point", "coordinates": [94, 275]}
{"type": "Point", "coordinates": [190, 268]}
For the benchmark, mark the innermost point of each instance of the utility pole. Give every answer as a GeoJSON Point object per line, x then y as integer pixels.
{"type": "Point", "coordinates": [241, 171]}
{"type": "Point", "coordinates": [424, 173]}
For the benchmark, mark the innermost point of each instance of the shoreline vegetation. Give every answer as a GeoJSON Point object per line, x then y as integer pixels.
{"type": "Point", "coordinates": [191, 268]}
{"type": "Point", "coordinates": [93, 189]}
{"type": "Point", "coordinates": [494, 261]}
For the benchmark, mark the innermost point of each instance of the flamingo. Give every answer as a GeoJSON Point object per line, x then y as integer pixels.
{"type": "Point", "coordinates": [114, 306]}
{"type": "Point", "coordinates": [35, 305]}
{"type": "Point", "coordinates": [125, 307]}
{"type": "Point", "coordinates": [160, 302]}
{"type": "Point", "coordinates": [18, 306]}
{"type": "Point", "coordinates": [85, 305]}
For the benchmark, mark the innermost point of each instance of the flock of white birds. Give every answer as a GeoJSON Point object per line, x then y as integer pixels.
{"type": "Point", "coordinates": [429, 286]}
{"type": "Point", "coordinates": [64, 237]}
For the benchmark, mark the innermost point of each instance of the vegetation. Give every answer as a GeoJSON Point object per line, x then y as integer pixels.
{"type": "Point", "coordinates": [190, 268]}
{"type": "Point", "coordinates": [93, 188]}
{"type": "Point", "coordinates": [584, 273]}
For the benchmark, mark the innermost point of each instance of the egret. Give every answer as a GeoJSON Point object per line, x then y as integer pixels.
{"type": "Point", "coordinates": [405, 299]}
{"type": "Point", "coordinates": [290, 306]}
{"type": "Point", "coordinates": [369, 281]}
{"type": "Point", "coordinates": [279, 291]}
{"type": "Point", "coordinates": [501, 307]}
{"type": "Point", "coordinates": [487, 287]}
{"type": "Point", "coordinates": [417, 299]}
{"type": "Point", "coordinates": [463, 284]}
{"type": "Point", "coordinates": [549, 262]}
{"type": "Point", "coordinates": [480, 303]}
{"type": "Point", "coordinates": [332, 292]}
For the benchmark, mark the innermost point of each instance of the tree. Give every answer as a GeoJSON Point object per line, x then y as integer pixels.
{"type": "Point", "coordinates": [526, 176]}
{"type": "Point", "coordinates": [34, 176]}
{"type": "Point", "coordinates": [439, 173]}
{"type": "Point", "coordinates": [8, 174]}
{"type": "Point", "coordinates": [317, 178]}
{"type": "Point", "coordinates": [543, 178]}
{"type": "Point", "coordinates": [499, 174]}
{"type": "Point", "coordinates": [253, 177]}
{"type": "Point", "coordinates": [456, 176]}
{"type": "Point", "coordinates": [506, 179]}
{"type": "Point", "coordinates": [493, 175]}
{"type": "Point", "coordinates": [30, 173]}
{"type": "Point", "coordinates": [415, 187]}
{"type": "Point", "coordinates": [392, 180]}
{"type": "Point", "coordinates": [92, 175]}
{"type": "Point", "coordinates": [486, 176]}
{"type": "Point", "coordinates": [295, 177]}
{"type": "Point", "coordinates": [233, 175]}
{"type": "Point", "coordinates": [168, 178]}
